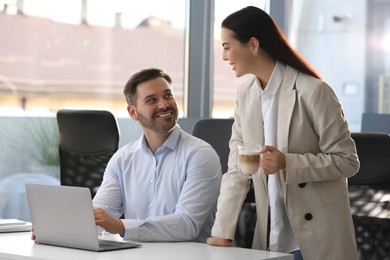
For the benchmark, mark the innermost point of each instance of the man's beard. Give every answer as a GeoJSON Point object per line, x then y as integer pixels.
{"type": "Point", "coordinates": [164, 126]}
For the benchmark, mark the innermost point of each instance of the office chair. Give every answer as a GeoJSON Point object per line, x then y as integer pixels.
{"type": "Point", "coordinates": [217, 133]}
{"type": "Point", "coordinates": [369, 192]}
{"type": "Point", "coordinates": [88, 139]}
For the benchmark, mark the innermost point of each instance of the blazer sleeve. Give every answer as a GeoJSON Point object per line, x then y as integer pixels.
{"type": "Point", "coordinates": [233, 187]}
{"type": "Point", "coordinates": [320, 146]}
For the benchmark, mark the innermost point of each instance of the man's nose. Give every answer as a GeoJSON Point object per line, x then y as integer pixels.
{"type": "Point", "coordinates": [162, 103]}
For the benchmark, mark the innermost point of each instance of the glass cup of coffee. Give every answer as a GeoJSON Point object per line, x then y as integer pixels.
{"type": "Point", "coordinates": [249, 160]}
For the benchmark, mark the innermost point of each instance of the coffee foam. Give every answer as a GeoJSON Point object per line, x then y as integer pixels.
{"type": "Point", "coordinates": [249, 163]}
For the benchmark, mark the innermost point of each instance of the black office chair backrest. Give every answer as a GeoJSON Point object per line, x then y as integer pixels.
{"type": "Point", "coordinates": [369, 190]}
{"type": "Point", "coordinates": [88, 139]}
{"type": "Point", "coordinates": [374, 122]}
{"type": "Point", "coordinates": [217, 132]}
{"type": "Point", "coordinates": [374, 154]}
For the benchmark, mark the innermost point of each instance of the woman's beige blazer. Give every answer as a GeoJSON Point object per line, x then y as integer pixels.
{"type": "Point", "coordinates": [320, 154]}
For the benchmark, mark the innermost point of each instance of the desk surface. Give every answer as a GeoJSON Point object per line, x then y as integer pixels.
{"type": "Point", "coordinates": [19, 246]}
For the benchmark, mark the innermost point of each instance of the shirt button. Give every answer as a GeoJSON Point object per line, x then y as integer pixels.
{"type": "Point", "coordinates": [150, 205]}
{"type": "Point", "coordinates": [151, 181]}
{"type": "Point", "coordinates": [308, 216]}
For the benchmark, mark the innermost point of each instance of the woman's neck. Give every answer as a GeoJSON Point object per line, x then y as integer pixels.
{"type": "Point", "coordinates": [264, 68]}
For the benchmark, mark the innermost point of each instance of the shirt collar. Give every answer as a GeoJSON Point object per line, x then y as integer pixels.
{"type": "Point", "coordinates": [170, 143]}
{"type": "Point", "coordinates": [274, 81]}
{"type": "Point", "coordinates": [173, 138]}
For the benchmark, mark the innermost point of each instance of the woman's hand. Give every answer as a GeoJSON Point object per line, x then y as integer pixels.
{"type": "Point", "coordinates": [272, 160]}
{"type": "Point", "coordinates": [32, 234]}
{"type": "Point", "coordinates": [217, 241]}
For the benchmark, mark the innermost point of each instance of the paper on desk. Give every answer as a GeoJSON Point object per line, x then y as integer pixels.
{"type": "Point", "coordinates": [11, 221]}
{"type": "Point", "coordinates": [14, 225]}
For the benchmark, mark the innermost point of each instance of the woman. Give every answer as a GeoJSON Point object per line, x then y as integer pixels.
{"type": "Point", "coordinates": [301, 198]}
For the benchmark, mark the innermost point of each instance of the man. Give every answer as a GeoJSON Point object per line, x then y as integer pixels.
{"type": "Point", "coordinates": [167, 182]}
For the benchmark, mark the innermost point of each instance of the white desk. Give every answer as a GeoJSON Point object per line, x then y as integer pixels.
{"type": "Point", "coordinates": [19, 246]}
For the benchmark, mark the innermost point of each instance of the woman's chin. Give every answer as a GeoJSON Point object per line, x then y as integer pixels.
{"type": "Point", "coordinates": [238, 74]}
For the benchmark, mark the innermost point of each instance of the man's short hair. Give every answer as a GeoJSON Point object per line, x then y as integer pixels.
{"type": "Point", "coordinates": [130, 90]}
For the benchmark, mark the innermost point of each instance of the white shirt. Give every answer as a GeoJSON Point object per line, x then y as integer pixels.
{"type": "Point", "coordinates": [281, 238]}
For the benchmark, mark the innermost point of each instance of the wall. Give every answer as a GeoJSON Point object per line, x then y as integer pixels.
{"type": "Point", "coordinates": [331, 36]}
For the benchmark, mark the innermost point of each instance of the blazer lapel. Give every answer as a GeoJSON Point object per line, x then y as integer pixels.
{"type": "Point", "coordinates": [287, 100]}
{"type": "Point", "coordinates": [254, 115]}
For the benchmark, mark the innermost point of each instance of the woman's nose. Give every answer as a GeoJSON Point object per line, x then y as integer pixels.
{"type": "Point", "coordinates": [224, 57]}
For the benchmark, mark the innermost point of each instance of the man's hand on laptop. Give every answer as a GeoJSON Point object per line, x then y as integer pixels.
{"type": "Point", "coordinates": [109, 223]}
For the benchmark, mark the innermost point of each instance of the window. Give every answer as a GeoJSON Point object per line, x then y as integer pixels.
{"type": "Point", "coordinates": [79, 54]}
{"type": "Point", "coordinates": [73, 54]}
{"type": "Point", "coordinates": [225, 82]}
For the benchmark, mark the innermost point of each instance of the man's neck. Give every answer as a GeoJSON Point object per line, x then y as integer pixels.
{"type": "Point", "coordinates": [155, 140]}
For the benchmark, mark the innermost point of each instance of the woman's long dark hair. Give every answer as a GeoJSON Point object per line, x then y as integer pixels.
{"type": "Point", "coordinates": [254, 22]}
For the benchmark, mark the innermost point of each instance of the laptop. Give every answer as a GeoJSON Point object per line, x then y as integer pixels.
{"type": "Point", "coordinates": [63, 216]}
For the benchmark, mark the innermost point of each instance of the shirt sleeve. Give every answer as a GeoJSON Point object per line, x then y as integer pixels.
{"type": "Point", "coordinates": [109, 194]}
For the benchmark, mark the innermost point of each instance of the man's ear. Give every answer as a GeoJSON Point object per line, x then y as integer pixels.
{"type": "Point", "coordinates": [132, 112]}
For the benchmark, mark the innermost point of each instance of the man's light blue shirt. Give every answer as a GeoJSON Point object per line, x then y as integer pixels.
{"type": "Point", "coordinates": [170, 195]}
